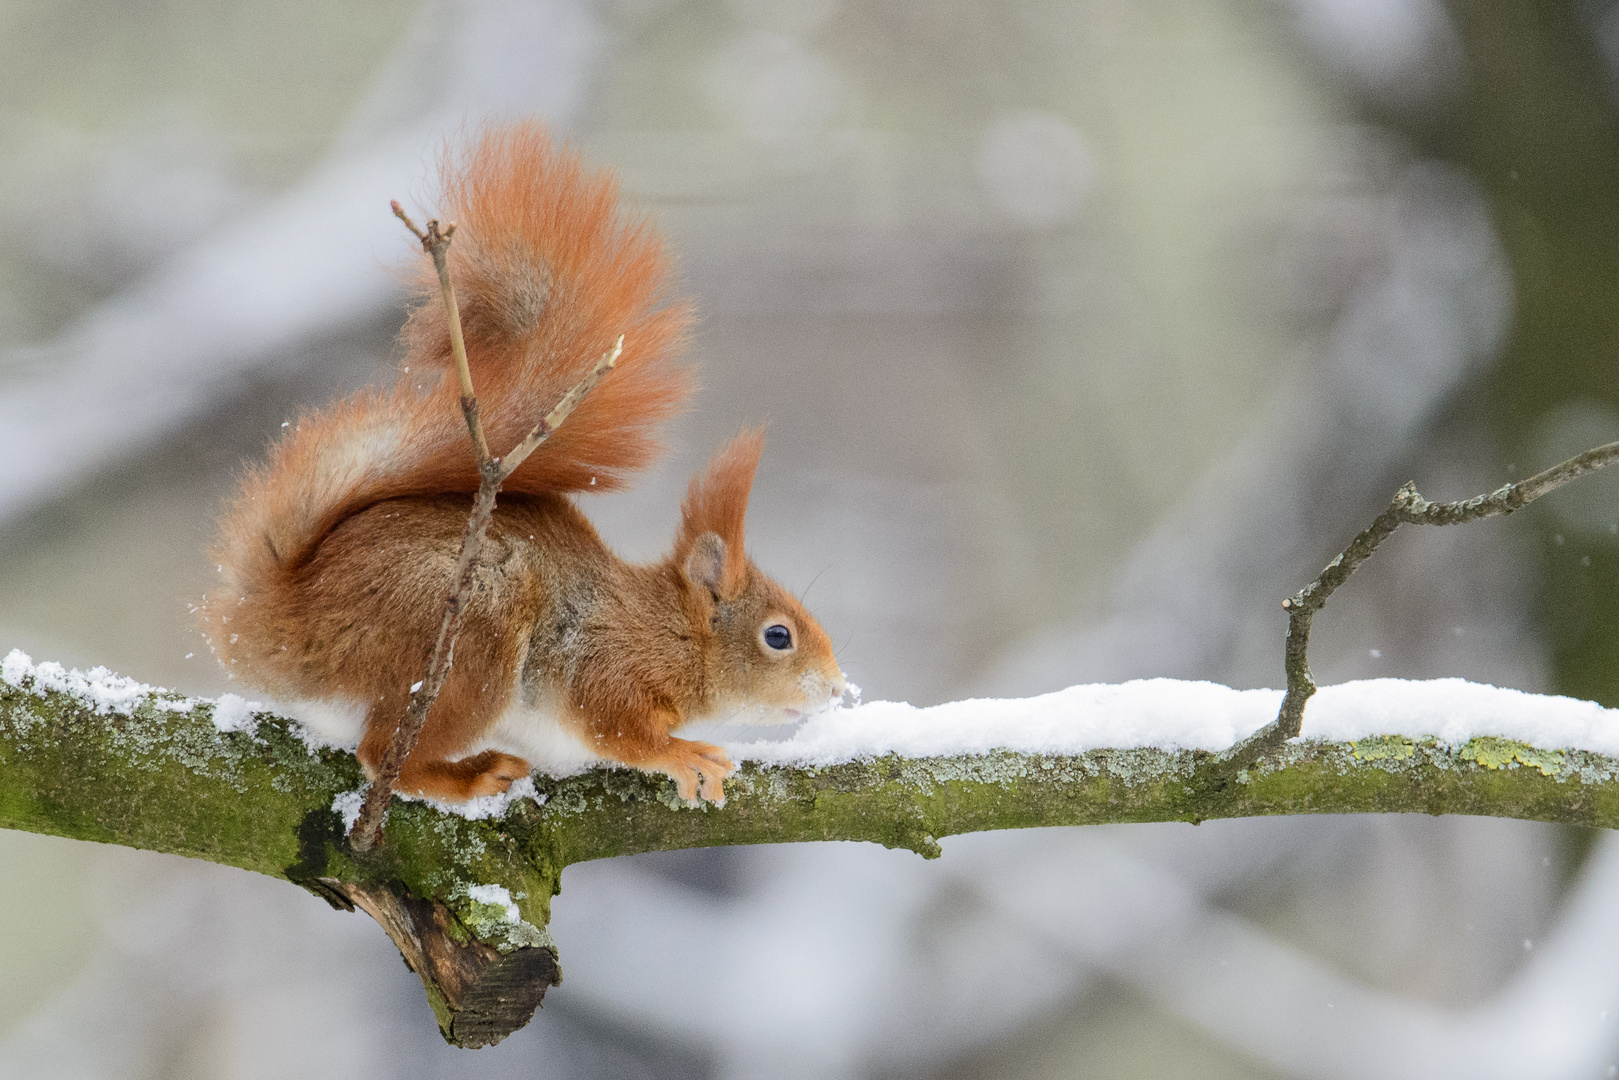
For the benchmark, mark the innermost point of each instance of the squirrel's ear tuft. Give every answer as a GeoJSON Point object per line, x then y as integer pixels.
{"type": "Point", "coordinates": [717, 504]}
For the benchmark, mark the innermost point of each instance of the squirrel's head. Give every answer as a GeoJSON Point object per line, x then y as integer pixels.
{"type": "Point", "coordinates": [769, 661]}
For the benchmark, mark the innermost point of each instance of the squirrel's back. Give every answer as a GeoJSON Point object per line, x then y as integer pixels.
{"type": "Point", "coordinates": [548, 275]}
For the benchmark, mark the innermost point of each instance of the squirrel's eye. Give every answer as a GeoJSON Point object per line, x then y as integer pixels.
{"type": "Point", "coordinates": [778, 636]}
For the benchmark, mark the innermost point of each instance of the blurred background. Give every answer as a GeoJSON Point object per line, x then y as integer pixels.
{"type": "Point", "coordinates": [1085, 332]}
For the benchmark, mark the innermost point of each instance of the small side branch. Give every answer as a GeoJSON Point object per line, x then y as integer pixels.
{"type": "Point", "coordinates": [367, 832]}
{"type": "Point", "coordinates": [1408, 507]}
{"type": "Point", "coordinates": [436, 242]}
{"type": "Point", "coordinates": [553, 419]}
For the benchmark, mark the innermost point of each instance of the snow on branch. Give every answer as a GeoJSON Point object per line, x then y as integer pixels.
{"type": "Point", "coordinates": [465, 892]}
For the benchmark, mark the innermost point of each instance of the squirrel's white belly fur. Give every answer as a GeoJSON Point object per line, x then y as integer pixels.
{"type": "Point", "coordinates": [535, 732]}
{"type": "Point", "coordinates": [532, 731]}
{"type": "Point", "coordinates": [333, 721]}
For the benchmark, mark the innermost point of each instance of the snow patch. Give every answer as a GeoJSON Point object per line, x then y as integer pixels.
{"type": "Point", "coordinates": [1455, 711]}
{"type": "Point", "coordinates": [495, 896]}
{"type": "Point", "coordinates": [99, 688]}
{"type": "Point", "coordinates": [487, 806]}
{"type": "Point", "coordinates": [322, 724]}
{"type": "Point", "coordinates": [235, 713]}
{"type": "Point", "coordinates": [1173, 715]}
{"type": "Point", "coordinates": [1165, 713]}
{"type": "Point", "coordinates": [347, 806]}
{"type": "Point", "coordinates": [16, 665]}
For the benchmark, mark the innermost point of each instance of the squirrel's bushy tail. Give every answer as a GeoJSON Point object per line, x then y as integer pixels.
{"type": "Point", "coordinates": [547, 275]}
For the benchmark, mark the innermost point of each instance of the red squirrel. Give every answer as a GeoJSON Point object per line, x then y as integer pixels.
{"type": "Point", "coordinates": [336, 555]}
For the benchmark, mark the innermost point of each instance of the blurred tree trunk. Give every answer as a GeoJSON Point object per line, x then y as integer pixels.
{"type": "Point", "coordinates": [1534, 121]}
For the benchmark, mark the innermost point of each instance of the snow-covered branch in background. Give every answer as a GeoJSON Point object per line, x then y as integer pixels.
{"type": "Point", "coordinates": [466, 892]}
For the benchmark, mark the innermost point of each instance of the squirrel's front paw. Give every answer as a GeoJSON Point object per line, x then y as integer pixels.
{"type": "Point", "coordinates": [698, 769]}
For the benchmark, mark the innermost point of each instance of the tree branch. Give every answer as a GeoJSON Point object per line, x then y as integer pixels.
{"type": "Point", "coordinates": [1408, 507]}
{"type": "Point", "coordinates": [148, 769]}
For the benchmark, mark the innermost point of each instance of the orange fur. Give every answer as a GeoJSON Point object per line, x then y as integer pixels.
{"type": "Point", "coordinates": [335, 556]}
{"type": "Point", "coordinates": [717, 502]}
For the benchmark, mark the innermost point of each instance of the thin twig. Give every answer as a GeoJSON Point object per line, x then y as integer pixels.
{"type": "Point", "coordinates": [1408, 507]}
{"type": "Point", "coordinates": [553, 419]}
{"type": "Point", "coordinates": [492, 472]}
{"type": "Point", "coordinates": [436, 243]}
{"type": "Point", "coordinates": [367, 831]}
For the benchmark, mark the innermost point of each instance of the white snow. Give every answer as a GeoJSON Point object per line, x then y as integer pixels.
{"type": "Point", "coordinates": [487, 806]}
{"type": "Point", "coordinates": [106, 692]}
{"type": "Point", "coordinates": [1455, 710]}
{"type": "Point", "coordinates": [347, 805]}
{"type": "Point", "coordinates": [1166, 714]}
{"type": "Point", "coordinates": [234, 713]}
{"type": "Point", "coordinates": [99, 688]}
{"type": "Point", "coordinates": [16, 664]}
{"type": "Point", "coordinates": [497, 896]}
{"type": "Point", "coordinates": [331, 723]}
{"type": "Point", "coordinates": [1170, 714]}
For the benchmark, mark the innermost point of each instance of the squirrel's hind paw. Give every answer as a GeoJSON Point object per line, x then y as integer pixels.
{"type": "Point", "coordinates": [488, 773]}
{"type": "Point", "coordinates": [496, 773]}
